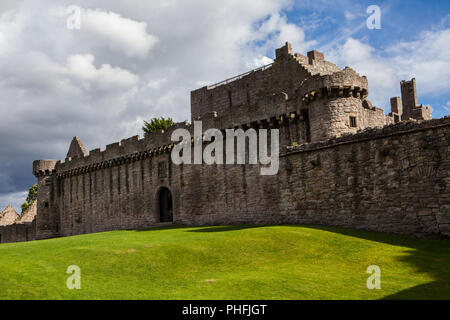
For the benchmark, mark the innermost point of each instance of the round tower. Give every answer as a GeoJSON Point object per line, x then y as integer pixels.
{"type": "Point", "coordinates": [336, 103]}
{"type": "Point", "coordinates": [47, 219]}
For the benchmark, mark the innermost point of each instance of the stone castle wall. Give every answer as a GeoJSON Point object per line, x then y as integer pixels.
{"type": "Point", "coordinates": [18, 232]}
{"type": "Point", "coordinates": [15, 228]}
{"type": "Point", "coordinates": [345, 162]}
{"type": "Point", "coordinates": [391, 179]}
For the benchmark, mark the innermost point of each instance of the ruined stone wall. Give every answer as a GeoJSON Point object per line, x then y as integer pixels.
{"type": "Point", "coordinates": [18, 232]}
{"type": "Point", "coordinates": [409, 97]}
{"type": "Point", "coordinates": [30, 214]}
{"type": "Point", "coordinates": [391, 179]}
{"type": "Point", "coordinates": [8, 216]}
{"type": "Point", "coordinates": [15, 228]}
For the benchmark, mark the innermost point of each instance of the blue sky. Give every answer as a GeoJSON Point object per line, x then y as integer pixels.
{"type": "Point", "coordinates": [401, 21]}
{"type": "Point", "coordinates": [134, 60]}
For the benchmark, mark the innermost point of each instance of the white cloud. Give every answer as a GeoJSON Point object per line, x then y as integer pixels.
{"type": "Point", "coordinates": [349, 15]}
{"type": "Point", "coordinates": [276, 30]}
{"type": "Point", "coordinates": [131, 60]}
{"type": "Point", "coordinates": [118, 33]}
{"type": "Point", "coordinates": [383, 80]}
{"type": "Point", "coordinates": [427, 59]}
{"type": "Point", "coordinates": [106, 77]}
{"type": "Point", "coordinates": [7, 4]}
{"type": "Point", "coordinates": [15, 199]}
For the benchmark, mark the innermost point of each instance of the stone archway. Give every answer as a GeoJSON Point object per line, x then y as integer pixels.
{"type": "Point", "coordinates": [165, 205]}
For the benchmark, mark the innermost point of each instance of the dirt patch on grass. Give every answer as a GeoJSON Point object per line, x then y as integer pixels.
{"type": "Point", "coordinates": [210, 280]}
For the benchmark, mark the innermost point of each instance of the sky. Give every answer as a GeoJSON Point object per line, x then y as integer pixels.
{"type": "Point", "coordinates": [132, 60]}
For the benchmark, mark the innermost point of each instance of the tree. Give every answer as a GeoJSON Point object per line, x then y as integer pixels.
{"type": "Point", "coordinates": [157, 124]}
{"type": "Point", "coordinates": [32, 196]}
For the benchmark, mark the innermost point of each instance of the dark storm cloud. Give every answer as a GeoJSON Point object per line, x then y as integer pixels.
{"type": "Point", "coordinates": [131, 60]}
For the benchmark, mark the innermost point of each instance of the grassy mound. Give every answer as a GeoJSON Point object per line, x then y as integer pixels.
{"type": "Point", "coordinates": [235, 262]}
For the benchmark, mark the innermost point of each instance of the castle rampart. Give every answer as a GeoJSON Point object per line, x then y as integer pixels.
{"type": "Point", "coordinates": [343, 163]}
{"type": "Point", "coordinates": [390, 179]}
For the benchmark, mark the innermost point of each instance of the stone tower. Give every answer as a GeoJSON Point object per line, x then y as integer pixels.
{"type": "Point", "coordinates": [409, 97]}
{"type": "Point", "coordinates": [337, 104]}
{"type": "Point", "coordinates": [47, 219]}
{"type": "Point", "coordinates": [308, 98]}
{"type": "Point", "coordinates": [411, 109]}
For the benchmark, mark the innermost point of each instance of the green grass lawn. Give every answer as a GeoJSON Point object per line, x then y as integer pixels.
{"type": "Point", "coordinates": [236, 262]}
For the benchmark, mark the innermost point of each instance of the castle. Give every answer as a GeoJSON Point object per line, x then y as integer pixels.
{"type": "Point", "coordinates": [343, 162]}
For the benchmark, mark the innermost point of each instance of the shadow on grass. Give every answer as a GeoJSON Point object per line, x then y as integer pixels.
{"type": "Point", "coordinates": [225, 228]}
{"type": "Point", "coordinates": [159, 228]}
{"type": "Point", "coordinates": [427, 256]}
{"type": "Point", "coordinates": [202, 228]}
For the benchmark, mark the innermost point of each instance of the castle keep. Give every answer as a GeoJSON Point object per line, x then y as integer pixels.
{"type": "Point", "coordinates": [343, 162]}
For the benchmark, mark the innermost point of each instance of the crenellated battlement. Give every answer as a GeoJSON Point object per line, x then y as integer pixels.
{"type": "Point", "coordinates": [125, 151]}
{"type": "Point", "coordinates": [43, 168]}
{"type": "Point", "coordinates": [344, 83]}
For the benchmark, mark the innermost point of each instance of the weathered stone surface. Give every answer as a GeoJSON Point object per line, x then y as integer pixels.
{"type": "Point", "coordinates": [8, 216]}
{"type": "Point", "coordinates": [29, 215]}
{"type": "Point", "coordinates": [76, 149]}
{"type": "Point", "coordinates": [351, 166]}
{"type": "Point", "coordinates": [13, 229]}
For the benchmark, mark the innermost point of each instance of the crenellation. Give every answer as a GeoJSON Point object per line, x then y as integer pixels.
{"type": "Point", "coordinates": [336, 148]}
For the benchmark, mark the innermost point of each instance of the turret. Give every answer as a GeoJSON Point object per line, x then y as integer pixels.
{"type": "Point", "coordinates": [411, 109]}
{"type": "Point", "coordinates": [336, 103]}
{"type": "Point", "coordinates": [47, 219]}
{"type": "Point", "coordinates": [409, 97]}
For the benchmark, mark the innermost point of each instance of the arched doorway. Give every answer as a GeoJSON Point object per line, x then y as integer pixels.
{"type": "Point", "coordinates": [165, 205]}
